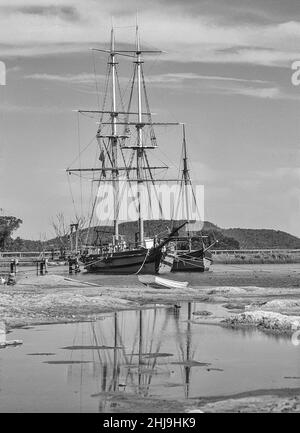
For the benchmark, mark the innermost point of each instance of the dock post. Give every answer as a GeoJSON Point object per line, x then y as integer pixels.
{"type": "Point", "coordinates": [77, 267]}
{"type": "Point", "coordinates": [46, 265]}
{"type": "Point", "coordinates": [70, 266]}
{"type": "Point", "coordinates": [41, 267]}
{"type": "Point", "coordinates": [11, 281]}
{"type": "Point", "coordinates": [13, 266]}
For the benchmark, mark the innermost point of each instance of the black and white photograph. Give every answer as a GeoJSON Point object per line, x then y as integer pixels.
{"type": "Point", "coordinates": [149, 209]}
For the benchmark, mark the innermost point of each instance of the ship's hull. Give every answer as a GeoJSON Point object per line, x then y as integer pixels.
{"type": "Point", "coordinates": [143, 261]}
{"type": "Point", "coordinates": [125, 262]}
{"type": "Point", "coordinates": [192, 261]}
{"type": "Point", "coordinates": [207, 261]}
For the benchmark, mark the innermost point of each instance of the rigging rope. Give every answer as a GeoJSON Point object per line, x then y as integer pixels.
{"type": "Point", "coordinates": [96, 83]}
{"type": "Point", "coordinates": [79, 157]}
{"type": "Point", "coordinates": [83, 150]}
{"type": "Point", "coordinates": [155, 190]}
{"type": "Point", "coordinates": [146, 256]}
{"type": "Point", "coordinates": [72, 196]}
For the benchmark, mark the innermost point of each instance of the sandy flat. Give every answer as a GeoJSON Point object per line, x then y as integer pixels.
{"type": "Point", "coordinates": [59, 297]}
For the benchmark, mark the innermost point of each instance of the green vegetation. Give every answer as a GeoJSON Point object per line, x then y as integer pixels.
{"type": "Point", "coordinates": [250, 258]}
{"type": "Point", "coordinates": [8, 224]}
{"type": "Point", "coordinates": [23, 245]}
{"type": "Point", "coordinates": [262, 238]}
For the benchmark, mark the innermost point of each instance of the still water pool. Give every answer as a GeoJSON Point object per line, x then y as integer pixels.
{"type": "Point", "coordinates": [157, 352]}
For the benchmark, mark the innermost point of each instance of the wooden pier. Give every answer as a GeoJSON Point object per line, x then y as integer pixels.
{"type": "Point", "coordinates": [30, 258]}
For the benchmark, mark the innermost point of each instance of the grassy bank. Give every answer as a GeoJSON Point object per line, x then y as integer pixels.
{"type": "Point", "coordinates": [259, 257]}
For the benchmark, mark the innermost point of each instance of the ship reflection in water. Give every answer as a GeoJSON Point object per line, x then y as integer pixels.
{"type": "Point", "coordinates": [126, 358]}
{"type": "Point", "coordinates": [139, 356]}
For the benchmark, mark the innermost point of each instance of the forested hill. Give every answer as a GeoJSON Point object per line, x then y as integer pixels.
{"type": "Point", "coordinates": [233, 238]}
{"type": "Point", "coordinates": [262, 238]}
{"type": "Point", "coordinates": [256, 238]}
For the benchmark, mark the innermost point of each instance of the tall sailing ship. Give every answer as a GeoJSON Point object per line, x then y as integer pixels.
{"type": "Point", "coordinates": [125, 137]}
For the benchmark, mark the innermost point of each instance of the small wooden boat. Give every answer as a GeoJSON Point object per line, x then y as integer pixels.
{"type": "Point", "coordinates": [171, 283]}
{"type": "Point", "coordinates": [159, 282]}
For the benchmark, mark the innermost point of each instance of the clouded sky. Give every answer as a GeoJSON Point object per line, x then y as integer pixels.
{"type": "Point", "coordinates": [226, 73]}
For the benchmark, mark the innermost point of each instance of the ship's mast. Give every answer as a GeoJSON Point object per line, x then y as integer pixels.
{"type": "Point", "coordinates": [186, 176]}
{"type": "Point", "coordinates": [114, 138]}
{"type": "Point", "coordinates": [139, 152]}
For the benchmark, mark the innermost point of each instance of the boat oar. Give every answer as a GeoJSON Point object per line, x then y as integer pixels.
{"type": "Point", "coordinates": [81, 282]}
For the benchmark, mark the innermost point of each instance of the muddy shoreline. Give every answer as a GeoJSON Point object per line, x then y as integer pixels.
{"type": "Point", "coordinates": [55, 298]}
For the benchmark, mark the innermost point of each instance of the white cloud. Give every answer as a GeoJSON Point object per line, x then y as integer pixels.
{"type": "Point", "coordinates": [266, 92]}
{"type": "Point", "coordinates": [29, 109]}
{"type": "Point", "coordinates": [154, 79]}
{"type": "Point", "coordinates": [218, 84]}
{"type": "Point", "coordinates": [32, 30]}
{"type": "Point", "coordinates": [221, 85]}
{"type": "Point", "coordinates": [180, 77]}
{"type": "Point", "coordinates": [84, 78]}
{"type": "Point", "coordinates": [188, 80]}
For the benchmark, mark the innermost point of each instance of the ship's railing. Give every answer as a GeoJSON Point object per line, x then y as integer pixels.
{"type": "Point", "coordinates": [28, 254]}
{"type": "Point", "coordinates": [57, 253]}
{"type": "Point", "coordinates": [6, 256]}
{"type": "Point", "coordinates": [257, 251]}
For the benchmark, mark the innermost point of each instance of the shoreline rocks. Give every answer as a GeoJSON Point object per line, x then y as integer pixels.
{"type": "Point", "coordinates": [265, 320]}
